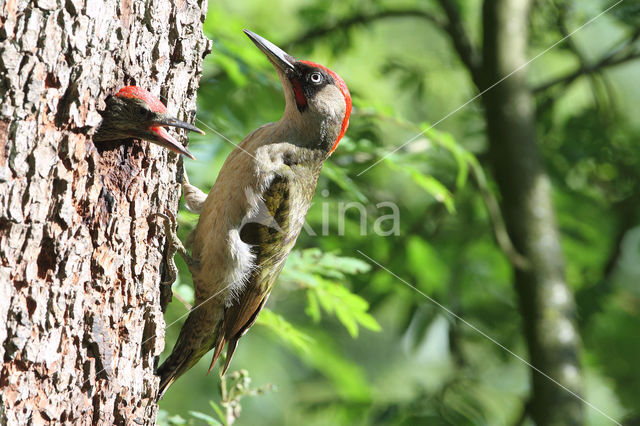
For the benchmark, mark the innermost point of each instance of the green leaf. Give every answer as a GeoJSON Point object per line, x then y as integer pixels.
{"type": "Point", "coordinates": [327, 264]}
{"type": "Point", "coordinates": [349, 308]}
{"type": "Point", "coordinates": [322, 274]}
{"type": "Point", "coordinates": [430, 184]}
{"type": "Point", "coordinates": [313, 307]}
{"type": "Point", "coordinates": [339, 177]}
{"type": "Point", "coordinates": [164, 419]}
{"type": "Point", "coordinates": [218, 411]}
{"type": "Point", "coordinates": [433, 187]}
{"type": "Point", "coordinates": [305, 266]}
{"type": "Point", "coordinates": [348, 320]}
{"type": "Point", "coordinates": [425, 264]}
{"type": "Point", "coordinates": [176, 420]}
{"type": "Point", "coordinates": [205, 417]}
{"type": "Point", "coordinates": [367, 320]}
{"type": "Point", "coordinates": [459, 153]}
{"type": "Point", "coordinates": [285, 330]}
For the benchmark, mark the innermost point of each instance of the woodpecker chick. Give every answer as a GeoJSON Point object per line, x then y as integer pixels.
{"type": "Point", "coordinates": [135, 113]}
{"type": "Point", "coordinates": [255, 211]}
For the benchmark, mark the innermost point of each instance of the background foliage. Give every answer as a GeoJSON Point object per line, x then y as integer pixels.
{"type": "Point", "coordinates": [344, 341]}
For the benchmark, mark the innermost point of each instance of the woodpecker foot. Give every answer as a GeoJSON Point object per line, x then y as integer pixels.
{"type": "Point", "coordinates": [194, 198]}
{"type": "Point", "coordinates": [175, 246]}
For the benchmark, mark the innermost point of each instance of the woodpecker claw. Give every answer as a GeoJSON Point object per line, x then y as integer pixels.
{"type": "Point", "coordinates": [174, 245]}
{"type": "Point", "coordinates": [194, 198]}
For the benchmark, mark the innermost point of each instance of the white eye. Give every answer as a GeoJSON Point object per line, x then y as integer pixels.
{"type": "Point", "coordinates": [316, 78]}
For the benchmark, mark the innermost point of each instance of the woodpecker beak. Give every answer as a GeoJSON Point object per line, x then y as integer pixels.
{"type": "Point", "coordinates": [174, 122]}
{"type": "Point", "coordinates": [277, 56]}
{"type": "Point", "coordinates": [164, 139]}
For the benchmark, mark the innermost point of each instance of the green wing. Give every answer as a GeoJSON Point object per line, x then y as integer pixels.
{"type": "Point", "coordinates": [271, 243]}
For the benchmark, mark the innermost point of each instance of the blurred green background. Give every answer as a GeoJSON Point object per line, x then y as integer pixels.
{"type": "Point", "coordinates": [344, 341]}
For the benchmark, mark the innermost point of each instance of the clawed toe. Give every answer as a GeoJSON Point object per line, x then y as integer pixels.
{"type": "Point", "coordinates": [174, 245]}
{"type": "Point", "coordinates": [172, 241]}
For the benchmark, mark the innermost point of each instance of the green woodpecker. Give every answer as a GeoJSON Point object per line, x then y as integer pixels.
{"type": "Point", "coordinates": [253, 215]}
{"type": "Point", "coordinates": [135, 113]}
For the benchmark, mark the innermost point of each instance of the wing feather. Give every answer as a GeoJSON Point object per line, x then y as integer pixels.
{"type": "Point", "coordinates": [271, 243]}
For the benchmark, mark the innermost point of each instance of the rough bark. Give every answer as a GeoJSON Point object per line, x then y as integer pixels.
{"type": "Point", "coordinates": [545, 301]}
{"type": "Point", "coordinates": [81, 323]}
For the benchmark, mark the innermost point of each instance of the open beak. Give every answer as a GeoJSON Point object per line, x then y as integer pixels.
{"type": "Point", "coordinates": [163, 138]}
{"type": "Point", "coordinates": [277, 56]}
{"type": "Point", "coordinates": [174, 122]}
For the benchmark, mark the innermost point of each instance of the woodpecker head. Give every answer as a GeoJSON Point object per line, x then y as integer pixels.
{"type": "Point", "coordinates": [135, 113]}
{"type": "Point", "coordinates": [318, 100]}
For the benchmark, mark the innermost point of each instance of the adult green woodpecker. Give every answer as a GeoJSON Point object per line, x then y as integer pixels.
{"type": "Point", "coordinates": [252, 216]}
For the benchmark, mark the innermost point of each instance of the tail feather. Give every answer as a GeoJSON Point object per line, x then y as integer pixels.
{"type": "Point", "coordinates": [197, 337]}
{"type": "Point", "coordinates": [231, 348]}
{"type": "Point", "coordinates": [219, 345]}
{"type": "Point", "coordinates": [169, 372]}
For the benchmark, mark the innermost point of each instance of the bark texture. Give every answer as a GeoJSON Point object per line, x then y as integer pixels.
{"type": "Point", "coordinates": [546, 302]}
{"type": "Point", "coordinates": [81, 322]}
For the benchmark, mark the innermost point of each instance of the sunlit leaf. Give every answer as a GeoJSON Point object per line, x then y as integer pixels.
{"type": "Point", "coordinates": [339, 177]}
{"type": "Point", "coordinates": [218, 411]}
{"type": "Point", "coordinates": [284, 330]}
{"type": "Point", "coordinates": [447, 141]}
{"type": "Point", "coordinates": [313, 306]}
{"type": "Point", "coordinates": [349, 379]}
{"type": "Point", "coordinates": [430, 184]}
{"type": "Point", "coordinates": [322, 273]}
{"type": "Point", "coordinates": [206, 418]}
{"type": "Point", "coordinates": [427, 266]}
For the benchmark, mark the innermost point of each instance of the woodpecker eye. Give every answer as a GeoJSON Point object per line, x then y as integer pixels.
{"type": "Point", "coordinates": [316, 78]}
{"type": "Point", "coordinates": [142, 112]}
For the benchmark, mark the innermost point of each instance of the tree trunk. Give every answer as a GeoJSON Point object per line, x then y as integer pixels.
{"type": "Point", "coordinates": [545, 301]}
{"type": "Point", "coordinates": [81, 322]}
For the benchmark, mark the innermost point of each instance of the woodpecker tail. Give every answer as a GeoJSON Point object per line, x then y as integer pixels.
{"type": "Point", "coordinates": [231, 348]}
{"type": "Point", "coordinates": [198, 336]}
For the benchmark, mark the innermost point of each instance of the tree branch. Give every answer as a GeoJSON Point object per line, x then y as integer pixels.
{"type": "Point", "coordinates": [497, 221]}
{"type": "Point", "coordinates": [461, 42]}
{"type": "Point", "coordinates": [573, 47]}
{"type": "Point", "coordinates": [619, 55]}
{"type": "Point", "coordinates": [590, 69]}
{"type": "Point", "coordinates": [360, 19]}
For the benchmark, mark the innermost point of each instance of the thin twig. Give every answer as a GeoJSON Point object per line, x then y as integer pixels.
{"type": "Point", "coordinates": [462, 43]}
{"type": "Point", "coordinates": [362, 18]}
{"type": "Point", "coordinates": [182, 300]}
{"type": "Point", "coordinates": [499, 227]}
{"type": "Point", "coordinates": [622, 53]}
{"type": "Point", "coordinates": [573, 47]}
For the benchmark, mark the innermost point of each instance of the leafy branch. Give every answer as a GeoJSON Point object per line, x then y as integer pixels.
{"type": "Point", "coordinates": [233, 388]}
{"type": "Point", "coordinates": [467, 164]}
{"type": "Point", "coordinates": [320, 274]}
{"type": "Point", "coordinates": [622, 53]}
